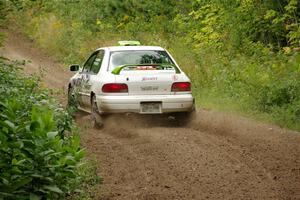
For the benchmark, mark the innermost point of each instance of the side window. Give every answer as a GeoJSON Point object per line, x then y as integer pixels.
{"type": "Point", "coordinates": [88, 64]}
{"type": "Point", "coordinates": [97, 62]}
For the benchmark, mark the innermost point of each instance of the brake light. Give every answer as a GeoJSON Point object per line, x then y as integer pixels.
{"type": "Point", "coordinates": [181, 87]}
{"type": "Point", "coordinates": [115, 88]}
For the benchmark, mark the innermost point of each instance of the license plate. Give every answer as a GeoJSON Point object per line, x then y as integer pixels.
{"type": "Point", "coordinates": [151, 107]}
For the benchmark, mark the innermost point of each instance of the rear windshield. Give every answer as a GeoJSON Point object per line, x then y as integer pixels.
{"type": "Point", "coordinates": [118, 58]}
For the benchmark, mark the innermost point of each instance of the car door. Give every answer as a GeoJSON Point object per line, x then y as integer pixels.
{"type": "Point", "coordinates": [93, 66]}
{"type": "Point", "coordinates": [84, 79]}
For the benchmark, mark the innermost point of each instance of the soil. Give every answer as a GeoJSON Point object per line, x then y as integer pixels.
{"type": "Point", "coordinates": [215, 156]}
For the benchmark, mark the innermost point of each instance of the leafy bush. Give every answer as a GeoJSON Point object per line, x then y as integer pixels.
{"type": "Point", "coordinates": [39, 156]}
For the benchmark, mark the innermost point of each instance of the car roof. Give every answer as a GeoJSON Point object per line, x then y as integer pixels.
{"type": "Point", "coordinates": [133, 48]}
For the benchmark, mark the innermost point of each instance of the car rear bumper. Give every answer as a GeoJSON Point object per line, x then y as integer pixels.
{"type": "Point", "coordinates": [127, 104]}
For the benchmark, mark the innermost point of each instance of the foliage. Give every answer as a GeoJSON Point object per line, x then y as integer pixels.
{"type": "Point", "coordinates": [39, 157]}
{"type": "Point", "coordinates": [246, 51]}
{"type": "Point", "coordinates": [91, 179]}
{"type": "Point", "coordinates": [3, 12]}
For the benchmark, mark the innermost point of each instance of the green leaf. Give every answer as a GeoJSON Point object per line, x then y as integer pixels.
{"type": "Point", "coordinates": [34, 197]}
{"type": "Point", "coordinates": [45, 153]}
{"type": "Point", "coordinates": [69, 160]}
{"type": "Point", "coordinates": [20, 144]}
{"type": "Point", "coordinates": [53, 188]}
{"type": "Point", "coordinates": [34, 126]}
{"type": "Point", "coordinates": [79, 154]}
{"type": "Point", "coordinates": [20, 162]}
{"type": "Point", "coordinates": [4, 181]}
{"type": "Point", "coordinates": [52, 135]}
{"type": "Point", "coordinates": [21, 182]}
{"type": "Point", "coordinates": [14, 161]}
{"type": "Point", "coordinates": [10, 124]}
{"type": "Point", "coordinates": [4, 194]}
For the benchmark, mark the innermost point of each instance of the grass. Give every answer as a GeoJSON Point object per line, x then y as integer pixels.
{"type": "Point", "coordinates": [91, 180]}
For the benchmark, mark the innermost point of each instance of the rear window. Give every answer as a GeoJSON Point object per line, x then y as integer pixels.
{"type": "Point", "coordinates": [118, 58]}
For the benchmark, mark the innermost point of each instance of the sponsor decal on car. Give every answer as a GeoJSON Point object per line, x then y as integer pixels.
{"type": "Point", "coordinates": [149, 79]}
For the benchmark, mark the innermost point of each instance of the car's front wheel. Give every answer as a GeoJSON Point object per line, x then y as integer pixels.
{"type": "Point", "coordinates": [97, 120]}
{"type": "Point", "coordinates": [72, 104]}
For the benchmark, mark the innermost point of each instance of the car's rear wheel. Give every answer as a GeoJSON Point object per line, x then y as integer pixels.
{"type": "Point", "coordinates": [183, 118]}
{"type": "Point", "coordinates": [97, 121]}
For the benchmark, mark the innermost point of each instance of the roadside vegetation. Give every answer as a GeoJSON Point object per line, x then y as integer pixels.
{"type": "Point", "coordinates": [40, 153]}
{"type": "Point", "coordinates": [242, 55]}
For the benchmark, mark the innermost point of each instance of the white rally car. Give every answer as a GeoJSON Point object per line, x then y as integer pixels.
{"type": "Point", "coordinates": [131, 78]}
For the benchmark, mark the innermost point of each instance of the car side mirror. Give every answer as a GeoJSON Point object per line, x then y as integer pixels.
{"type": "Point", "coordinates": [74, 68]}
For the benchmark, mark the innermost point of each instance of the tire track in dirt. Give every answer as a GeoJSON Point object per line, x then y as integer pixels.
{"type": "Point", "coordinates": [217, 156]}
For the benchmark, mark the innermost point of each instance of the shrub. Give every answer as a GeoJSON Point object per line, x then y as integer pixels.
{"type": "Point", "coordinates": [39, 155]}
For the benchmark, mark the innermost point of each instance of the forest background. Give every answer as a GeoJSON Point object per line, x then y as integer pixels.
{"type": "Point", "coordinates": [241, 55]}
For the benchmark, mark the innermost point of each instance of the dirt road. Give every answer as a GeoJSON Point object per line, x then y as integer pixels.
{"type": "Point", "coordinates": [217, 156]}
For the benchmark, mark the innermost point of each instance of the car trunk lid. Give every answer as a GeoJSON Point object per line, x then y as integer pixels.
{"type": "Point", "coordinates": [148, 82]}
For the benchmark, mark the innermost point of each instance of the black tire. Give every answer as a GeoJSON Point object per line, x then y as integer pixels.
{"type": "Point", "coordinates": [97, 121]}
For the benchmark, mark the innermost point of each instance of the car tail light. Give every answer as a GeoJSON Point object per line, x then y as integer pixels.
{"type": "Point", "coordinates": [181, 87]}
{"type": "Point", "coordinates": [115, 88]}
